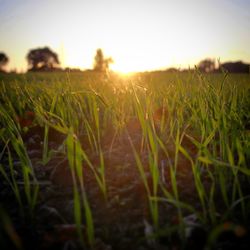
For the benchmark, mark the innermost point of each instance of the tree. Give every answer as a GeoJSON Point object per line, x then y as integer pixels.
{"type": "Point", "coordinates": [236, 67]}
{"type": "Point", "coordinates": [3, 60]}
{"type": "Point", "coordinates": [42, 59]}
{"type": "Point", "coordinates": [207, 65]}
{"type": "Point", "coordinates": [101, 64]}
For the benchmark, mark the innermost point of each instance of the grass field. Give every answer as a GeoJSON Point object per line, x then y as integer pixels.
{"type": "Point", "coordinates": [147, 161]}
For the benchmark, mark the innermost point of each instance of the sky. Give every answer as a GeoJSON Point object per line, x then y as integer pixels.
{"type": "Point", "coordinates": [138, 34]}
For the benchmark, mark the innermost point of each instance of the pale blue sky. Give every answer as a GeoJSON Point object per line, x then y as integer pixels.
{"type": "Point", "coordinates": [138, 34]}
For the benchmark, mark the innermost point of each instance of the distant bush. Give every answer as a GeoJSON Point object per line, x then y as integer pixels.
{"type": "Point", "coordinates": [3, 61]}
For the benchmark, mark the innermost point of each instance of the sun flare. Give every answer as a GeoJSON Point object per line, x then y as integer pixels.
{"type": "Point", "coordinates": [124, 68]}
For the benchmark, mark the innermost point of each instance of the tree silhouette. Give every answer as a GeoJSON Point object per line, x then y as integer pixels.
{"type": "Point", "coordinates": [42, 59]}
{"type": "Point", "coordinates": [101, 64]}
{"type": "Point", "coordinates": [235, 67]}
{"type": "Point", "coordinates": [3, 60]}
{"type": "Point", "coordinates": [206, 65]}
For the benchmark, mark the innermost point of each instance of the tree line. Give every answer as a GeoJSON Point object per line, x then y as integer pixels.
{"type": "Point", "coordinates": [44, 59]}
{"type": "Point", "coordinates": [209, 66]}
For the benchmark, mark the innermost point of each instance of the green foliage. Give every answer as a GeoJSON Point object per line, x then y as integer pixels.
{"type": "Point", "coordinates": [202, 131]}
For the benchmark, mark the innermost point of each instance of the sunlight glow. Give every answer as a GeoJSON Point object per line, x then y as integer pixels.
{"type": "Point", "coordinates": [138, 34]}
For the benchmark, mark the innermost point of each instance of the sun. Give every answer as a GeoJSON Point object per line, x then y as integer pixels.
{"type": "Point", "coordinates": [131, 64]}
{"type": "Point", "coordinates": [123, 68]}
